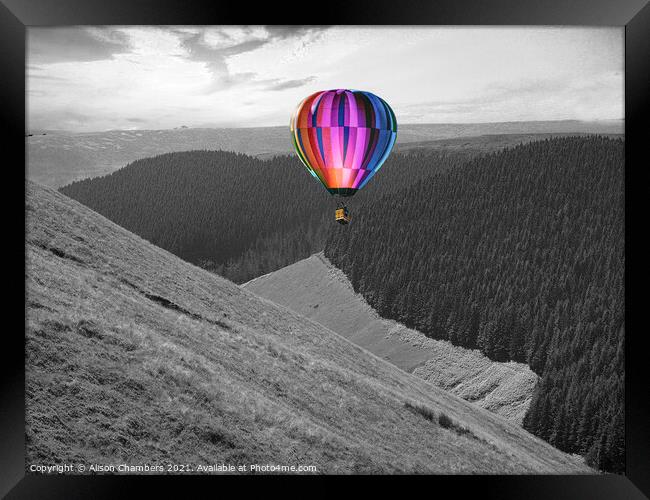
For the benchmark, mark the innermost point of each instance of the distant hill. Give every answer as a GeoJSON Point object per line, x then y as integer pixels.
{"type": "Point", "coordinates": [58, 158]}
{"type": "Point", "coordinates": [519, 253]}
{"type": "Point", "coordinates": [488, 143]}
{"type": "Point", "coordinates": [317, 290]}
{"type": "Point", "coordinates": [134, 356]}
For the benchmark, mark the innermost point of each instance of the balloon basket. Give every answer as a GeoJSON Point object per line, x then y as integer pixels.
{"type": "Point", "coordinates": [342, 215]}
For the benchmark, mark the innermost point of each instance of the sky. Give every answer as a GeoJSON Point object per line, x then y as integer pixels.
{"type": "Point", "coordinates": [84, 79]}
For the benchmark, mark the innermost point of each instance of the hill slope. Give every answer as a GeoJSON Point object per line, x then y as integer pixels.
{"type": "Point", "coordinates": [134, 356]}
{"type": "Point", "coordinates": [316, 289]}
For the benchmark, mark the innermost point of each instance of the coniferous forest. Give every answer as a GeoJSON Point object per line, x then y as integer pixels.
{"type": "Point", "coordinates": [518, 253]}
{"type": "Point", "coordinates": [232, 213]}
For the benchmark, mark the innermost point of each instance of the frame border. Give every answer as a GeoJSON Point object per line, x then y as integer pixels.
{"type": "Point", "coordinates": [16, 15]}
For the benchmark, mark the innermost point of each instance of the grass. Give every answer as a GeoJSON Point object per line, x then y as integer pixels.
{"type": "Point", "coordinates": [448, 423]}
{"type": "Point", "coordinates": [442, 419]}
{"type": "Point", "coordinates": [503, 388]}
{"type": "Point", "coordinates": [424, 411]}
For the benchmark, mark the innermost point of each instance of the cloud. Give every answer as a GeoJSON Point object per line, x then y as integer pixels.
{"type": "Point", "coordinates": [283, 32]}
{"type": "Point", "coordinates": [289, 84]}
{"type": "Point", "coordinates": [255, 75]}
{"type": "Point", "coordinates": [213, 46]}
{"type": "Point", "coordinates": [550, 98]}
{"type": "Point", "coordinates": [493, 92]}
{"type": "Point", "coordinates": [55, 45]}
{"type": "Point", "coordinates": [49, 78]}
{"type": "Point", "coordinates": [61, 119]}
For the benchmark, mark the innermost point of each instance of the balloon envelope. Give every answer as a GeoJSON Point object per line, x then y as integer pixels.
{"type": "Point", "coordinates": [343, 137]}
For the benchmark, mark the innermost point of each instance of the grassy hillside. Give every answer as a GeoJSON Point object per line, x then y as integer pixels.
{"type": "Point", "coordinates": [314, 288]}
{"type": "Point", "coordinates": [135, 356]}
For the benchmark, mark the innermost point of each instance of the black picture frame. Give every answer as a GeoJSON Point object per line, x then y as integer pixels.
{"type": "Point", "coordinates": [16, 15]}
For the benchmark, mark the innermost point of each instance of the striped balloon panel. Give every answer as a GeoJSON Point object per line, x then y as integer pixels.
{"type": "Point", "coordinates": [343, 137]}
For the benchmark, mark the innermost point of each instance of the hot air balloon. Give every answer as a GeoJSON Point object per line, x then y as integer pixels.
{"type": "Point", "coordinates": [343, 137]}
